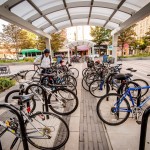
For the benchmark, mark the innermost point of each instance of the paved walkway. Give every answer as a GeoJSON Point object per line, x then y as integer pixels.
{"type": "Point", "coordinates": [87, 132]}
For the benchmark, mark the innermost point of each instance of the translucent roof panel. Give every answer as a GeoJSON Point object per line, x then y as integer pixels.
{"type": "Point", "coordinates": [106, 3]}
{"type": "Point", "coordinates": [49, 29]}
{"type": "Point", "coordinates": [102, 11]}
{"type": "Point", "coordinates": [40, 22]}
{"type": "Point", "coordinates": [62, 24]}
{"type": "Point", "coordinates": [3, 1]}
{"type": "Point", "coordinates": [121, 16]}
{"type": "Point", "coordinates": [97, 22]}
{"type": "Point", "coordinates": [53, 15]}
{"type": "Point", "coordinates": [80, 21]}
{"type": "Point", "coordinates": [56, 15]}
{"type": "Point", "coordinates": [24, 10]}
{"type": "Point", "coordinates": [79, 10]}
{"type": "Point", "coordinates": [109, 1]}
{"type": "Point", "coordinates": [46, 4]}
{"type": "Point", "coordinates": [79, 3]}
{"type": "Point", "coordinates": [139, 3]}
{"type": "Point", "coordinates": [112, 25]}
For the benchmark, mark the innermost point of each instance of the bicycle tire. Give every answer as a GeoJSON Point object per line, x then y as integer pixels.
{"type": "Point", "coordinates": [84, 85]}
{"type": "Point", "coordinates": [50, 101]}
{"type": "Point", "coordinates": [146, 84]}
{"type": "Point", "coordinates": [7, 99]}
{"type": "Point", "coordinates": [91, 90]}
{"type": "Point", "coordinates": [74, 73]}
{"type": "Point", "coordinates": [63, 128]}
{"type": "Point", "coordinates": [106, 99]}
{"type": "Point", "coordinates": [32, 75]}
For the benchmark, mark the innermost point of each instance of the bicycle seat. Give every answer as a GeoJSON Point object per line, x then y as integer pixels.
{"type": "Point", "coordinates": [24, 98]}
{"type": "Point", "coordinates": [121, 76]}
{"type": "Point", "coordinates": [133, 70]}
{"type": "Point", "coordinates": [128, 75]}
{"type": "Point", "coordinates": [49, 75]}
{"type": "Point", "coordinates": [119, 64]}
{"type": "Point", "coordinates": [129, 68]}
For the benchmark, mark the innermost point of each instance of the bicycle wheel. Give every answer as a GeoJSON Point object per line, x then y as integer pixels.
{"type": "Point", "coordinates": [63, 101]}
{"type": "Point", "coordinates": [69, 78]}
{"type": "Point", "coordinates": [39, 92]}
{"type": "Point", "coordinates": [9, 99]}
{"type": "Point", "coordinates": [32, 75]}
{"type": "Point", "coordinates": [74, 72]}
{"type": "Point", "coordinates": [98, 90]}
{"type": "Point", "coordinates": [84, 71]}
{"type": "Point", "coordinates": [142, 83]}
{"type": "Point", "coordinates": [84, 85]}
{"type": "Point", "coordinates": [110, 111]}
{"type": "Point", "coordinates": [47, 131]}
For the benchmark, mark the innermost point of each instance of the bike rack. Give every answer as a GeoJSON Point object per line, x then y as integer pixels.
{"type": "Point", "coordinates": [21, 123]}
{"type": "Point", "coordinates": [0, 145]}
{"type": "Point", "coordinates": [144, 128]}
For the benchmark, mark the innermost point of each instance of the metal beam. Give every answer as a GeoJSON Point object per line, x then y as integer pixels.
{"type": "Point", "coordinates": [118, 7]}
{"type": "Point", "coordinates": [5, 14]}
{"type": "Point", "coordinates": [67, 12]}
{"type": "Point", "coordinates": [72, 7]}
{"type": "Point", "coordinates": [141, 14]}
{"type": "Point", "coordinates": [16, 4]}
{"type": "Point", "coordinates": [92, 1]}
{"type": "Point", "coordinates": [40, 12]}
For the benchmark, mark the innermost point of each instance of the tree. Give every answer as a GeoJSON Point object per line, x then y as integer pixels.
{"type": "Point", "coordinates": [100, 35]}
{"type": "Point", "coordinates": [147, 36]}
{"type": "Point", "coordinates": [10, 36]}
{"type": "Point", "coordinates": [127, 36]}
{"type": "Point", "coordinates": [57, 40]}
{"type": "Point", "coordinates": [27, 39]}
{"type": "Point", "coordinates": [40, 43]}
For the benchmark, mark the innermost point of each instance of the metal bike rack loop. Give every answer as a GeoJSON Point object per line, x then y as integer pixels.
{"type": "Point", "coordinates": [21, 123]}
{"type": "Point", "coordinates": [144, 128]}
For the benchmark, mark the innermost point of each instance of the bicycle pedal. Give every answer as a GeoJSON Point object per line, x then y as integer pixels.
{"type": "Point", "coordinates": [139, 122]}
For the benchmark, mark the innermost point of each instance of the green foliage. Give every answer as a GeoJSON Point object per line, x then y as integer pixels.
{"type": "Point", "coordinates": [127, 36]}
{"type": "Point", "coordinates": [41, 44]}
{"type": "Point", "coordinates": [10, 36]}
{"type": "Point", "coordinates": [57, 40]}
{"type": "Point", "coordinates": [6, 83]}
{"type": "Point", "coordinates": [100, 35]}
{"type": "Point", "coordinates": [17, 38]}
{"type": "Point", "coordinates": [29, 59]}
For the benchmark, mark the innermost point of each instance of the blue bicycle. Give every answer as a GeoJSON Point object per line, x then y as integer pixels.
{"type": "Point", "coordinates": [114, 109]}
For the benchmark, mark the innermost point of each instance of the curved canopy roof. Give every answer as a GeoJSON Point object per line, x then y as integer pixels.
{"type": "Point", "coordinates": [71, 45]}
{"type": "Point", "coordinates": [52, 15]}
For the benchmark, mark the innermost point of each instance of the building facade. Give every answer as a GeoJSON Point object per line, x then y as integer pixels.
{"type": "Point", "coordinates": [142, 27]}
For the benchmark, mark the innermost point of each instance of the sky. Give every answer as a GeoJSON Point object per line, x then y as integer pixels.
{"type": "Point", "coordinates": [1, 23]}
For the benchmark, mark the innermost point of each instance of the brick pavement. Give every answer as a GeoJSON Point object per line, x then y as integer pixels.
{"type": "Point", "coordinates": [92, 134]}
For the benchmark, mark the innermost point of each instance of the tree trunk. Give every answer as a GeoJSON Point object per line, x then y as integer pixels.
{"type": "Point", "coordinates": [122, 50]}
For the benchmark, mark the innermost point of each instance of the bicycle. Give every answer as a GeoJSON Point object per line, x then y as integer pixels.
{"type": "Point", "coordinates": [117, 106]}
{"type": "Point", "coordinates": [44, 130]}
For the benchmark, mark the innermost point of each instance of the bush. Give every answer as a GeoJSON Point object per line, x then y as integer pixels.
{"type": "Point", "coordinates": [29, 59]}
{"type": "Point", "coordinates": [6, 83]}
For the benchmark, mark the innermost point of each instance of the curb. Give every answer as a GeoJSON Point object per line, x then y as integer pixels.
{"type": "Point", "coordinates": [16, 63]}
{"type": "Point", "coordinates": [135, 58]}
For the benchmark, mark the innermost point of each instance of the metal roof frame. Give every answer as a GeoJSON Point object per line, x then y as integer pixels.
{"type": "Point", "coordinates": [112, 14]}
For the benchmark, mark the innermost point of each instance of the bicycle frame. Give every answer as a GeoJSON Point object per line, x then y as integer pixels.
{"type": "Point", "coordinates": [128, 93]}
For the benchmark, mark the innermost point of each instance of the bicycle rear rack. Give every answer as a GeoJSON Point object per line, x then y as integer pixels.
{"type": "Point", "coordinates": [21, 123]}
{"type": "Point", "coordinates": [144, 128]}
